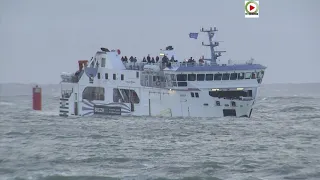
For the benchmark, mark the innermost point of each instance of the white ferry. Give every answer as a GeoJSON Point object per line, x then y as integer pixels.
{"type": "Point", "coordinates": [110, 85]}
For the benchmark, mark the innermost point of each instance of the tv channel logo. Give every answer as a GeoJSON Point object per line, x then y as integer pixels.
{"type": "Point", "coordinates": [251, 9]}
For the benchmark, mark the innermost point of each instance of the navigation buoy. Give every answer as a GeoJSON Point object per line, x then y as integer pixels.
{"type": "Point", "coordinates": [36, 96]}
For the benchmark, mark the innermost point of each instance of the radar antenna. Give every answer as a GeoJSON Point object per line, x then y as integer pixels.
{"type": "Point", "coordinates": [214, 54]}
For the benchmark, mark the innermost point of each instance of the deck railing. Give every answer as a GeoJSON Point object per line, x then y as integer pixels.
{"type": "Point", "coordinates": [140, 65]}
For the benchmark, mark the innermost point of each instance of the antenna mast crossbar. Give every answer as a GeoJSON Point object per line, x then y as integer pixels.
{"type": "Point", "coordinates": [212, 44]}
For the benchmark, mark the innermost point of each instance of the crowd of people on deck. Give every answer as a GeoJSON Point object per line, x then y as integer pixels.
{"type": "Point", "coordinates": [150, 60]}
{"type": "Point", "coordinates": [164, 60]}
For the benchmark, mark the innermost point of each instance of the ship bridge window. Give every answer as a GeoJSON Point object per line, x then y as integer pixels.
{"type": "Point", "coordinates": [225, 76]}
{"type": "Point", "coordinates": [106, 75]}
{"type": "Point", "coordinates": [217, 77]}
{"type": "Point", "coordinates": [182, 84]}
{"type": "Point", "coordinates": [248, 75]}
{"type": "Point", "coordinates": [93, 93]}
{"type": "Point", "coordinates": [125, 96]}
{"type": "Point", "coordinates": [98, 75]}
{"type": "Point", "coordinates": [200, 77]}
{"type": "Point", "coordinates": [137, 74]}
{"type": "Point", "coordinates": [240, 75]}
{"type": "Point", "coordinates": [103, 62]}
{"type": "Point", "coordinates": [233, 76]}
{"type": "Point", "coordinates": [122, 77]}
{"type": "Point", "coordinates": [181, 77]}
{"type": "Point", "coordinates": [114, 76]}
{"type": "Point", "coordinates": [253, 75]}
{"type": "Point", "coordinates": [191, 77]}
{"type": "Point", "coordinates": [209, 77]}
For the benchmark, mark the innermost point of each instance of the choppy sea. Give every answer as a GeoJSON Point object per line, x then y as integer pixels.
{"type": "Point", "coordinates": [279, 141]}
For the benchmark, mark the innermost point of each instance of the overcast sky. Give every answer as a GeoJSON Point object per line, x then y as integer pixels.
{"type": "Point", "coordinates": [39, 39]}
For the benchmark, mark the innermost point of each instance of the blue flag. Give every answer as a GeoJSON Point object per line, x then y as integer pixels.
{"type": "Point", "coordinates": [193, 35]}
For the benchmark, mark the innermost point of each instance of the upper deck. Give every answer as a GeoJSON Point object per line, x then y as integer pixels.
{"type": "Point", "coordinates": [110, 61]}
{"type": "Point", "coordinates": [196, 67]}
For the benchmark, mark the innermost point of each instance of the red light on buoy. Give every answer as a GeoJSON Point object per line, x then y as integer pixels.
{"type": "Point", "coordinates": [36, 96]}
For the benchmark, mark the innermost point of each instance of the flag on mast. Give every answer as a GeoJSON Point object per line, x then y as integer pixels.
{"type": "Point", "coordinates": [193, 35]}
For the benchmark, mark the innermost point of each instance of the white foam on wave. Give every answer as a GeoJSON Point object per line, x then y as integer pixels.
{"type": "Point", "coordinates": [6, 104]}
{"type": "Point", "coordinates": [47, 113]}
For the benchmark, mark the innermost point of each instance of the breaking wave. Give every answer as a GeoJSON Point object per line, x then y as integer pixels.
{"type": "Point", "coordinates": [298, 109]}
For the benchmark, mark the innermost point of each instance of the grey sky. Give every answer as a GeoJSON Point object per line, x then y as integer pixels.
{"type": "Point", "coordinates": [41, 38]}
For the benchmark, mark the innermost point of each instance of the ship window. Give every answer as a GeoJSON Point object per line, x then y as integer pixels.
{"type": "Point", "coordinates": [182, 84]}
{"type": "Point", "coordinates": [106, 75]}
{"type": "Point", "coordinates": [233, 76]}
{"type": "Point", "coordinates": [174, 84]}
{"type": "Point", "coordinates": [248, 75]}
{"type": "Point", "coordinates": [98, 75]}
{"type": "Point", "coordinates": [191, 77]}
{"type": "Point", "coordinates": [93, 93]}
{"type": "Point", "coordinates": [125, 96]}
{"type": "Point", "coordinates": [197, 95]}
{"type": "Point", "coordinates": [217, 77]}
{"type": "Point", "coordinates": [137, 74]}
{"type": "Point", "coordinates": [218, 103]}
{"type": "Point", "coordinates": [253, 75]}
{"type": "Point", "coordinates": [192, 94]}
{"type": "Point", "coordinates": [173, 77]}
{"type": "Point", "coordinates": [157, 78]}
{"type": "Point", "coordinates": [240, 75]}
{"type": "Point", "coordinates": [230, 94]}
{"type": "Point", "coordinates": [200, 77]}
{"type": "Point", "coordinates": [226, 76]}
{"type": "Point", "coordinates": [168, 80]}
{"type": "Point", "coordinates": [262, 73]}
{"type": "Point", "coordinates": [114, 76]}
{"type": "Point", "coordinates": [209, 77]}
{"type": "Point", "coordinates": [122, 77]}
{"type": "Point", "coordinates": [233, 103]}
{"type": "Point", "coordinates": [181, 77]}
{"type": "Point", "coordinates": [103, 62]}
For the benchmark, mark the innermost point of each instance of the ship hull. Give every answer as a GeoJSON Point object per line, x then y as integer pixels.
{"type": "Point", "coordinates": [168, 103]}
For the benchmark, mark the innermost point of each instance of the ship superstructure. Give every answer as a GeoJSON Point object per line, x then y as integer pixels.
{"type": "Point", "coordinates": [108, 85]}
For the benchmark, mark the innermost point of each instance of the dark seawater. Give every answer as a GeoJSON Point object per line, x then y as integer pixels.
{"type": "Point", "coordinates": [280, 141]}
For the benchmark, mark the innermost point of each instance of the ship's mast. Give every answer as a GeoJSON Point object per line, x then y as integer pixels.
{"type": "Point", "coordinates": [214, 54]}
